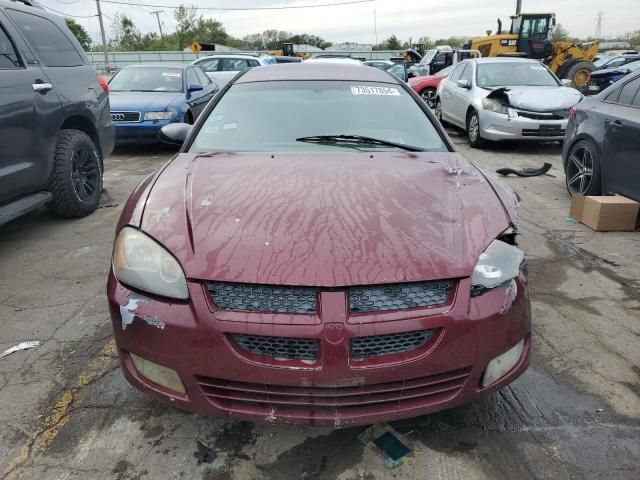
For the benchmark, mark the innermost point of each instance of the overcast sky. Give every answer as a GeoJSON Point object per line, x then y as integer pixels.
{"type": "Point", "coordinates": [405, 18]}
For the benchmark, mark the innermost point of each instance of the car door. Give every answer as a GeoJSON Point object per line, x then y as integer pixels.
{"type": "Point", "coordinates": [461, 97]}
{"type": "Point", "coordinates": [27, 105]}
{"type": "Point", "coordinates": [621, 160]}
{"type": "Point", "coordinates": [196, 99]}
{"type": "Point", "coordinates": [446, 89]}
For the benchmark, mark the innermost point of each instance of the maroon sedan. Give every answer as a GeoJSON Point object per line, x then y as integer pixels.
{"type": "Point", "coordinates": [319, 253]}
{"type": "Point", "coordinates": [426, 86]}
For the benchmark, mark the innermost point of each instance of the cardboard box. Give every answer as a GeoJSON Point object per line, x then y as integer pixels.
{"type": "Point", "coordinates": [605, 213]}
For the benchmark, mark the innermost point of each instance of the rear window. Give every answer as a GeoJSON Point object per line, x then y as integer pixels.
{"type": "Point", "coordinates": [270, 116]}
{"type": "Point", "coordinates": [51, 44]}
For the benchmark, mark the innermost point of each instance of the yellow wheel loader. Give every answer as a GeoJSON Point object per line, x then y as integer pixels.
{"type": "Point", "coordinates": [528, 37]}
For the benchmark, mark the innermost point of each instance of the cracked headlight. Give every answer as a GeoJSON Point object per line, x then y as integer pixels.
{"type": "Point", "coordinates": [159, 115]}
{"type": "Point", "coordinates": [498, 264]}
{"type": "Point", "coordinates": [141, 262]}
{"type": "Point", "coordinates": [494, 106]}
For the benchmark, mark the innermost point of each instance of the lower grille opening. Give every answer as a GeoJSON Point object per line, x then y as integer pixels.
{"type": "Point", "coordinates": [381, 345]}
{"type": "Point", "coordinates": [264, 399]}
{"type": "Point", "coordinates": [281, 348]}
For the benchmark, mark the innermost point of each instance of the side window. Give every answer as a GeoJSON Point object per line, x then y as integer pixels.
{"type": "Point", "coordinates": [629, 92]}
{"type": "Point", "coordinates": [8, 56]}
{"type": "Point", "coordinates": [526, 29]}
{"type": "Point", "coordinates": [616, 63]}
{"type": "Point", "coordinates": [202, 77]}
{"type": "Point", "coordinates": [210, 65]}
{"type": "Point", "coordinates": [192, 77]}
{"type": "Point", "coordinates": [51, 44]}
{"type": "Point", "coordinates": [234, 64]}
{"type": "Point", "coordinates": [467, 74]}
{"type": "Point", "coordinates": [254, 63]}
{"type": "Point", "coordinates": [457, 72]}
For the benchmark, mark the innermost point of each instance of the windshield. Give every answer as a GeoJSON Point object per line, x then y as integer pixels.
{"type": "Point", "coordinates": [444, 72]}
{"type": "Point", "coordinates": [148, 79]}
{"type": "Point", "coordinates": [503, 74]}
{"type": "Point", "coordinates": [632, 67]}
{"type": "Point", "coordinates": [271, 116]}
{"type": "Point", "coordinates": [428, 56]}
{"type": "Point", "coordinates": [601, 61]}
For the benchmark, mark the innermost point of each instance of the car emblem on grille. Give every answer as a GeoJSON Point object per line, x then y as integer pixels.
{"type": "Point", "coordinates": [117, 116]}
{"type": "Point", "coordinates": [334, 333]}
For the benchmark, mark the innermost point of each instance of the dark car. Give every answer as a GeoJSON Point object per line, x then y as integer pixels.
{"type": "Point", "coordinates": [146, 97]}
{"type": "Point", "coordinates": [601, 79]}
{"type": "Point", "coordinates": [318, 252]}
{"type": "Point", "coordinates": [616, 61]}
{"type": "Point", "coordinates": [600, 153]}
{"type": "Point", "coordinates": [55, 127]}
{"type": "Point", "coordinates": [287, 59]}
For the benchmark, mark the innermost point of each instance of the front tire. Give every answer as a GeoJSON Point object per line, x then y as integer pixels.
{"type": "Point", "coordinates": [582, 169]}
{"type": "Point", "coordinates": [76, 180]}
{"type": "Point", "coordinates": [579, 74]}
{"type": "Point", "coordinates": [429, 96]}
{"type": "Point", "coordinates": [473, 130]}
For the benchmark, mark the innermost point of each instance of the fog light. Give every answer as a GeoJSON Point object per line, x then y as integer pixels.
{"type": "Point", "coordinates": [163, 376]}
{"type": "Point", "coordinates": [499, 366]}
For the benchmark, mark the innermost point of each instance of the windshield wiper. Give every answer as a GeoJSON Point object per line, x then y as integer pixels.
{"type": "Point", "coordinates": [353, 140]}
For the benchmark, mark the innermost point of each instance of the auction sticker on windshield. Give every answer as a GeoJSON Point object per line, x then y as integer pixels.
{"type": "Point", "coordinates": [359, 90]}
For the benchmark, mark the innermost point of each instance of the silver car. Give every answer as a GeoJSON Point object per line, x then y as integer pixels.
{"type": "Point", "coordinates": [223, 67]}
{"type": "Point", "coordinates": [505, 99]}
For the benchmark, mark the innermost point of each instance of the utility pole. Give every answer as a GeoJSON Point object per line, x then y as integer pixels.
{"type": "Point", "coordinates": [599, 21]}
{"type": "Point", "coordinates": [104, 38]}
{"type": "Point", "coordinates": [157, 14]}
{"type": "Point", "coordinates": [375, 25]}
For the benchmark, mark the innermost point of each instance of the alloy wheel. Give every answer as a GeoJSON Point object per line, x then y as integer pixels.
{"type": "Point", "coordinates": [580, 169]}
{"type": "Point", "coordinates": [429, 96]}
{"type": "Point", "coordinates": [473, 128]}
{"type": "Point", "coordinates": [85, 172]}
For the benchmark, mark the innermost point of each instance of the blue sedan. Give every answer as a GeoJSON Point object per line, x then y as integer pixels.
{"type": "Point", "coordinates": [144, 98]}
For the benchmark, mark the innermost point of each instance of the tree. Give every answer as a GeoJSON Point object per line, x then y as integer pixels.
{"type": "Point", "coordinates": [126, 35]}
{"type": "Point", "coordinates": [393, 43]}
{"type": "Point", "coordinates": [79, 32]}
{"type": "Point", "coordinates": [559, 34]}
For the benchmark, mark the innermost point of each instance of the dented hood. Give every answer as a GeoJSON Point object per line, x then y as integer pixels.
{"type": "Point", "coordinates": [324, 219]}
{"type": "Point", "coordinates": [538, 99]}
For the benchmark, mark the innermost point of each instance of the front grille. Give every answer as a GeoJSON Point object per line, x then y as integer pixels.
{"type": "Point", "coordinates": [380, 345]}
{"type": "Point", "coordinates": [125, 116]}
{"type": "Point", "coordinates": [279, 347]}
{"type": "Point", "coordinates": [327, 402]}
{"type": "Point", "coordinates": [377, 298]}
{"type": "Point", "coordinates": [534, 132]}
{"type": "Point", "coordinates": [559, 115]}
{"type": "Point", "coordinates": [263, 298]}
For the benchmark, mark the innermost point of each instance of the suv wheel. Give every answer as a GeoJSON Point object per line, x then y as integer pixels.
{"type": "Point", "coordinates": [76, 180]}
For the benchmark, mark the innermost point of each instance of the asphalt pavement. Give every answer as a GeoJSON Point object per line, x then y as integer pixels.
{"type": "Point", "coordinates": [67, 413]}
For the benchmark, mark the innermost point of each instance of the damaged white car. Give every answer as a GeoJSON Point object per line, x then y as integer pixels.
{"type": "Point", "coordinates": [505, 99]}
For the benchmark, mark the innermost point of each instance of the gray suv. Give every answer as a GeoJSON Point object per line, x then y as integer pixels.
{"type": "Point", "coordinates": [55, 126]}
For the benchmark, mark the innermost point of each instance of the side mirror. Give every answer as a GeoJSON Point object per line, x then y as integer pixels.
{"type": "Point", "coordinates": [566, 82]}
{"type": "Point", "coordinates": [175, 133]}
{"type": "Point", "coordinates": [463, 84]}
{"type": "Point", "coordinates": [195, 87]}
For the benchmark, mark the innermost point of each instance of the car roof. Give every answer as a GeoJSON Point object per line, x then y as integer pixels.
{"type": "Point", "coordinates": [181, 66]}
{"type": "Point", "coordinates": [316, 71]}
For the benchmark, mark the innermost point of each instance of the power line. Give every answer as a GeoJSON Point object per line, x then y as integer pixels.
{"type": "Point", "coordinates": [68, 14]}
{"type": "Point", "coordinates": [249, 9]}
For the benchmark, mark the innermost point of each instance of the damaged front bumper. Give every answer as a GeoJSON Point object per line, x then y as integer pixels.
{"type": "Point", "coordinates": [519, 126]}
{"type": "Point", "coordinates": [196, 341]}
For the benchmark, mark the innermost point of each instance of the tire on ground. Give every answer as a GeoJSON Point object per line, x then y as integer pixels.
{"type": "Point", "coordinates": [66, 201]}
{"type": "Point", "coordinates": [478, 141]}
{"type": "Point", "coordinates": [578, 72]}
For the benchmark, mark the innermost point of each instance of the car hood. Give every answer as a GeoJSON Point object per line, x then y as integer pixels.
{"type": "Point", "coordinates": [142, 101]}
{"type": "Point", "coordinates": [538, 99]}
{"type": "Point", "coordinates": [324, 219]}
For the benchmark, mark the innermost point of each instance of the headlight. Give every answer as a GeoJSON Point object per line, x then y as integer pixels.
{"type": "Point", "coordinates": [158, 115]}
{"type": "Point", "coordinates": [141, 262]}
{"type": "Point", "coordinates": [494, 106]}
{"type": "Point", "coordinates": [499, 263]}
